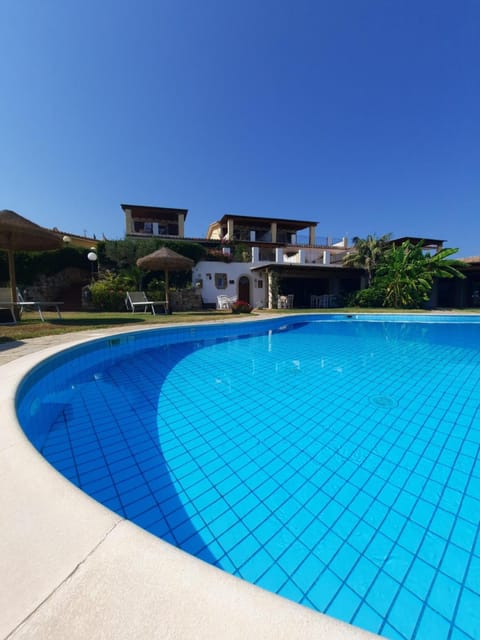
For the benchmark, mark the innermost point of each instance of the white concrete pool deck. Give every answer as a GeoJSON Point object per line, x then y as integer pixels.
{"type": "Point", "coordinates": [70, 568]}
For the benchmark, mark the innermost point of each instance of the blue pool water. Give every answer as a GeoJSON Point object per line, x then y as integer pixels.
{"type": "Point", "coordinates": [330, 459]}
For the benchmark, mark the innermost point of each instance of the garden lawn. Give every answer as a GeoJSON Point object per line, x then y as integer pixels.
{"type": "Point", "coordinates": [30, 325]}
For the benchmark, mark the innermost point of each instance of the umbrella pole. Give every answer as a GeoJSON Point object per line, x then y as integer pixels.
{"type": "Point", "coordinates": [167, 297]}
{"type": "Point", "coordinates": [11, 271]}
{"type": "Point", "coordinates": [13, 283]}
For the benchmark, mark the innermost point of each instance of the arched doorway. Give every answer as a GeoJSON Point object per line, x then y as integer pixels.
{"type": "Point", "coordinates": [244, 289]}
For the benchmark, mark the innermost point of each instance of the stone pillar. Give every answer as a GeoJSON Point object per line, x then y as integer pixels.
{"type": "Point", "coordinates": [230, 229]}
{"type": "Point", "coordinates": [128, 221]}
{"type": "Point", "coordinates": [273, 231]}
{"type": "Point", "coordinates": [269, 290]}
{"type": "Point", "coordinates": [181, 225]}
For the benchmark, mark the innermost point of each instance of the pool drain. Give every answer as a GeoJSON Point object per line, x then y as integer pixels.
{"type": "Point", "coordinates": [385, 402]}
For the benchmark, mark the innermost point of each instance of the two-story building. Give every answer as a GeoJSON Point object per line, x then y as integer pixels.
{"type": "Point", "coordinates": [160, 222]}
{"type": "Point", "coordinates": [282, 257]}
{"type": "Point", "coordinates": [256, 258]}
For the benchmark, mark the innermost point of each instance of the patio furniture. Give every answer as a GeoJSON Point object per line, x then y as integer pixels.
{"type": "Point", "coordinates": [225, 302]}
{"type": "Point", "coordinates": [166, 260]}
{"type": "Point", "coordinates": [38, 305]}
{"type": "Point", "coordinates": [137, 299]}
{"type": "Point", "coordinates": [285, 302]}
{"type": "Point", "coordinates": [19, 234]}
{"type": "Point", "coordinates": [25, 305]}
{"type": "Point", "coordinates": [6, 302]}
{"type": "Point", "coordinates": [324, 301]}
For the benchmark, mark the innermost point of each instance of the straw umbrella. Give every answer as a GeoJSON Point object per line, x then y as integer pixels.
{"type": "Point", "coordinates": [165, 259]}
{"type": "Point", "coordinates": [19, 234]}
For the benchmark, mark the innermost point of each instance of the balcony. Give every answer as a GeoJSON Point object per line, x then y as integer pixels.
{"type": "Point", "coordinates": [306, 255]}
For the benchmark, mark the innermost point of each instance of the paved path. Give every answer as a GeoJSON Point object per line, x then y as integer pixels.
{"type": "Point", "coordinates": [10, 351]}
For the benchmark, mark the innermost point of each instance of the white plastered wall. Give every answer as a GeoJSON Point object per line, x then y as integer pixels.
{"type": "Point", "coordinates": [203, 276]}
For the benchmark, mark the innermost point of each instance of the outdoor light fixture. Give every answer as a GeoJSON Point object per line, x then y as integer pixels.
{"type": "Point", "coordinates": [92, 256]}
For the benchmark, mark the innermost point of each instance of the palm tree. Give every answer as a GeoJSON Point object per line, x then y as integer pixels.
{"type": "Point", "coordinates": [367, 253]}
{"type": "Point", "coordinates": [406, 274]}
{"type": "Point", "coordinates": [403, 277]}
{"type": "Point", "coordinates": [442, 267]}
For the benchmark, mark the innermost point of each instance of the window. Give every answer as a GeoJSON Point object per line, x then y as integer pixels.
{"type": "Point", "coordinates": [221, 280]}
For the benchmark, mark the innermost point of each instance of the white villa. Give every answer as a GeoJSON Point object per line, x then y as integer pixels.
{"type": "Point", "coordinates": [256, 259]}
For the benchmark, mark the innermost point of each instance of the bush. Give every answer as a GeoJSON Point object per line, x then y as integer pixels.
{"type": "Point", "coordinates": [217, 255]}
{"type": "Point", "coordinates": [241, 307]}
{"type": "Point", "coordinates": [371, 297]}
{"type": "Point", "coordinates": [156, 289]}
{"type": "Point", "coordinates": [108, 294]}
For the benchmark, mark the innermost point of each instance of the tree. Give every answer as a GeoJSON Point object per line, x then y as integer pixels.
{"type": "Point", "coordinates": [367, 254]}
{"type": "Point", "coordinates": [441, 266]}
{"type": "Point", "coordinates": [406, 274]}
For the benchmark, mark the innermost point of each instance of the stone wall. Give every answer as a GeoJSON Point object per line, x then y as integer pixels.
{"type": "Point", "coordinates": [65, 286]}
{"type": "Point", "coordinates": [186, 300]}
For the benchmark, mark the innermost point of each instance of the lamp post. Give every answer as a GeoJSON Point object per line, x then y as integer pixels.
{"type": "Point", "coordinates": [92, 256]}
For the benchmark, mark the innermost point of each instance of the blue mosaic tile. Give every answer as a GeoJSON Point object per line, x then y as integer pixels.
{"type": "Point", "coordinates": [382, 594]}
{"type": "Point", "coordinates": [362, 576]}
{"type": "Point", "coordinates": [432, 549]}
{"type": "Point", "coordinates": [444, 595]}
{"type": "Point", "coordinates": [368, 512]}
{"type": "Point", "coordinates": [455, 562]}
{"type": "Point", "coordinates": [344, 605]}
{"type": "Point", "coordinates": [472, 579]}
{"type": "Point", "coordinates": [256, 565]}
{"type": "Point", "coordinates": [420, 578]}
{"type": "Point", "coordinates": [433, 625]}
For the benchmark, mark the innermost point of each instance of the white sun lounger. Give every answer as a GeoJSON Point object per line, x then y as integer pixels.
{"type": "Point", "coordinates": [138, 300]}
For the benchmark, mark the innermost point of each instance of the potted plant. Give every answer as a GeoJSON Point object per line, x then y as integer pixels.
{"type": "Point", "coordinates": [241, 307]}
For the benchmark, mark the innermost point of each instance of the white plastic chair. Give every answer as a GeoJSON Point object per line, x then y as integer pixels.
{"type": "Point", "coordinates": [224, 303]}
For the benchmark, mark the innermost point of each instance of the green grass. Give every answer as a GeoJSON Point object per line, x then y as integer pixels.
{"type": "Point", "coordinates": [30, 325]}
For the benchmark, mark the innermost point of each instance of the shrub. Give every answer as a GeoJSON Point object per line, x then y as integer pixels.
{"type": "Point", "coordinates": [371, 297]}
{"type": "Point", "coordinates": [217, 255]}
{"type": "Point", "coordinates": [108, 294]}
{"type": "Point", "coordinates": [156, 289]}
{"type": "Point", "coordinates": [241, 307]}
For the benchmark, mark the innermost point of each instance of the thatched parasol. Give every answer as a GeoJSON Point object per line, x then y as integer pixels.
{"type": "Point", "coordinates": [165, 259]}
{"type": "Point", "coordinates": [19, 234]}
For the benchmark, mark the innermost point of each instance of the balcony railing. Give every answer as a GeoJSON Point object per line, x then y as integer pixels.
{"type": "Point", "coordinates": [301, 240]}
{"type": "Point", "coordinates": [309, 256]}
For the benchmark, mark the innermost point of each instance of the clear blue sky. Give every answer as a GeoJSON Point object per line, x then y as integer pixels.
{"type": "Point", "coordinates": [362, 115]}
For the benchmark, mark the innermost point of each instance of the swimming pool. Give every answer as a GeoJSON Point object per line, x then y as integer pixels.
{"type": "Point", "coordinates": [328, 459]}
